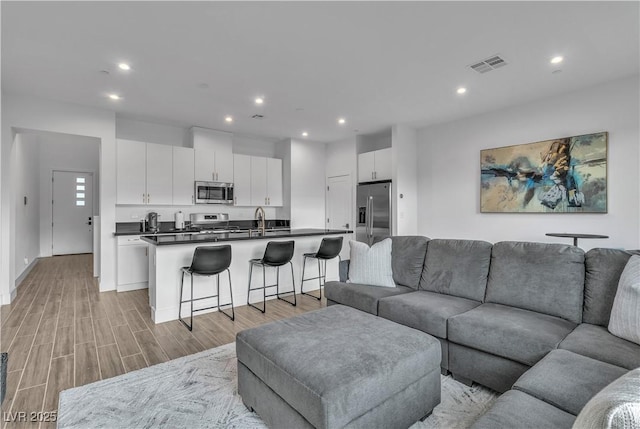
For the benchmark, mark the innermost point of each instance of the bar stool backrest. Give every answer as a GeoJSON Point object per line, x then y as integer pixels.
{"type": "Point", "coordinates": [211, 260]}
{"type": "Point", "coordinates": [278, 253]}
{"type": "Point", "coordinates": [330, 247]}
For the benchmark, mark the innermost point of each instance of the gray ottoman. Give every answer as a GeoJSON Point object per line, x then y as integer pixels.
{"type": "Point", "coordinates": [338, 367]}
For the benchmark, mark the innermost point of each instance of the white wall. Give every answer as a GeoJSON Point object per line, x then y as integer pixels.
{"type": "Point", "coordinates": [449, 168]}
{"type": "Point", "coordinates": [342, 159]}
{"type": "Point", "coordinates": [64, 152]}
{"type": "Point", "coordinates": [26, 179]}
{"type": "Point", "coordinates": [376, 141]}
{"type": "Point", "coordinates": [151, 132]}
{"type": "Point", "coordinates": [404, 190]}
{"type": "Point", "coordinates": [32, 113]}
{"type": "Point", "coordinates": [307, 184]}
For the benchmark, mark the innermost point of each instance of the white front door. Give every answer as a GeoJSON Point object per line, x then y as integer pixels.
{"type": "Point", "coordinates": [339, 202]}
{"type": "Point", "coordinates": [72, 202]}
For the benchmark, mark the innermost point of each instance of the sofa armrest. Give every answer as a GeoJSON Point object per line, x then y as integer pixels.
{"type": "Point", "coordinates": [343, 270]}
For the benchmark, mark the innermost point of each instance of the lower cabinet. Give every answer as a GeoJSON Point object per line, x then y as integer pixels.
{"type": "Point", "coordinates": [133, 263]}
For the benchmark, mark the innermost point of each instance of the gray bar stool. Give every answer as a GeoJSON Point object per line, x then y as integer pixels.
{"type": "Point", "coordinates": [277, 254]}
{"type": "Point", "coordinates": [207, 261]}
{"type": "Point", "coordinates": [330, 248]}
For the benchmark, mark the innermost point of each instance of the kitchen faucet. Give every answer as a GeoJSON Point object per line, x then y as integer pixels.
{"type": "Point", "coordinates": [260, 216]}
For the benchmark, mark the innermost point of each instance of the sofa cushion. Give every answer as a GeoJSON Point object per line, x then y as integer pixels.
{"type": "Point", "coordinates": [371, 265]}
{"type": "Point", "coordinates": [520, 335]}
{"type": "Point", "coordinates": [596, 342]}
{"type": "Point", "coordinates": [457, 267]}
{"type": "Point", "coordinates": [603, 269]}
{"type": "Point", "coordinates": [616, 406]}
{"type": "Point", "coordinates": [426, 311]}
{"type": "Point", "coordinates": [547, 278]}
{"type": "Point", "coordinates": [625, 313]}
{"type": "Point", "coordinates": [407, 259]}
{"type": "Point", "coordinates": [516, 409]}
{"type": "Point", "coordinates": [362, 297]}
{"type": "Point", "coordinates": [567, 380]}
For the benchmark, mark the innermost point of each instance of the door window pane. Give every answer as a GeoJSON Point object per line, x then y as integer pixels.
{"type": "Point", "coordinates": [79, 179]}
{"type": "Point", "coordinates": [79, 187]}
{"type": "Point", "coordinates": [79, 203]}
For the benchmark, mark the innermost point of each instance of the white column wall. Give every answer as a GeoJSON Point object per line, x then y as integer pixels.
{"type": "Point", "coordinates": [31, 113]}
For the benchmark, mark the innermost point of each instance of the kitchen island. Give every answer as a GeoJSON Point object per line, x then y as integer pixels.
{"type": "Point", "coordinates": [170, 252]}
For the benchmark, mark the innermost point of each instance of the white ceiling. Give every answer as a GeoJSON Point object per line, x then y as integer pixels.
{"type": "Point", "coordinates": [375, 63]}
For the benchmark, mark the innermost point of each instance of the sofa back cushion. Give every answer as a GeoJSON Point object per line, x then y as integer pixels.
{"type": "Point", "coordinates": [407, 259]}
{"type": "Point", "coordinates": [457, 267]}
{"type": "Point", "coordinates": [547, 278]}
{"type": "Point", "coordinates": [603, 270]}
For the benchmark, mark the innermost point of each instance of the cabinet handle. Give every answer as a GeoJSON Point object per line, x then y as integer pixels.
{"type": "Point", "coordinates": [192, 199]}
{"type": "Point", "coordinates": [235, 201]}
{"type": "Point", "coordinates": [148, 198]}
{"type": "Point", "coordinates": [268, 201]}
{"type": "Point", "coordinates": [143, 200]}
{"type": "Point", "coordinates": [213, 176]}
{"type": "Point", "coordinates": [375, 174]}
{"type": "Point", "coordinates": [372, 175]}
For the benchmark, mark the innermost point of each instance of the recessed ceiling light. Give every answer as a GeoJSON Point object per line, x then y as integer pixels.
{"type": "Point", "coordinates": [114, 96]}
{"type": "Point", "coordinates": [124, 66]}
{"type": "Point", "coordinates": [556, 60]}
{"type": "Point", "coordinates": [259, 100]}
{"type": "Point", "coordinates": [305, 134]}
{"type": "Point", "coordinates": [342, 121]}
{"type": "Point", "coordinates": [228, 118]}
{"type": "Point", "coordinates": [461, 90]}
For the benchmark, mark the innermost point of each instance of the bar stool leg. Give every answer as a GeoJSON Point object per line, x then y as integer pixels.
{"type": "Point", "coordinates": [264, 299]}
{"type": "Point", "coordinates": [304, 263]}
{"type": "Point", "coordinates": [181, 301]}
{"type": "Point", "coordinates": [264, 289]}
{"type": "Point", "coordinates": [191, 297]}
{"type": "Point", "coordinates": [293, 281]}
{"type": "Point", "coordinates": [233, 312]}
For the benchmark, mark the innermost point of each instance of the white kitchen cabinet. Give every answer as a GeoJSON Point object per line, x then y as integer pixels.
{"type": "Point", "coordinates": [383, 164]}
{"type": "Point", "coordinates": [183, 176]}
{"type": "Point", "coordinates": [366, 166]}
{"type": "Point", "coordinates": [266, 182]}
{"type": "Point", "coordinates": [159, 174]}
{"type": "Point", "coordinates": [213, 155]}
{"type": "Point", "coordinates": [131, 172]}
{"type": "Point", "coordinates": [258, 181]}
{"type": "Point", "coordinates": [242, 180]}
{"type": "Point", "coordinates": [274, 182]}
{"type": "Point", "coordinates": [133, 263]}
{"type": "Point", "coordinates": [375, 165]}
{"type": "Point", "coordinates": [143, 173]}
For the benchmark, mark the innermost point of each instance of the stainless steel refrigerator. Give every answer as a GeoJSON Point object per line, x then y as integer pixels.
{"type": "Point", "coordinates": [374, 212]}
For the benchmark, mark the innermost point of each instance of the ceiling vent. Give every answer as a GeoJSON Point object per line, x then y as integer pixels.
{"type": "Point", "coordinates": [489, 64]}
{"type": "Point", "coordinates": [257, 116]}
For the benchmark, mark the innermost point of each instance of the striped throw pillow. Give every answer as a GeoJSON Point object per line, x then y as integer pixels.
{"type": "Point", "coordinates": [371, 265]}
{"type": "Point", "coordinates": [625, 313]}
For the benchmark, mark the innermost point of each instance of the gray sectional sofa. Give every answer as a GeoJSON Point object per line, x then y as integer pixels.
{"type": "Point", "coordinates": [528, 319]}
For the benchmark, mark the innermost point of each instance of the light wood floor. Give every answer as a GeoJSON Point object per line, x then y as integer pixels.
{"type": "Point", "coordinates": [61, 332]}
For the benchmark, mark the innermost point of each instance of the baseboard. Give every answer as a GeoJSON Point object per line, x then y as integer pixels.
{"type": "Point", "coordinates": [132, 286]}
{"type": "Point", "coordinates": [26, 272]}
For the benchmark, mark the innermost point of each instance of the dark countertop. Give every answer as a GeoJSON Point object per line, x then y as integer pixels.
{"type": "Point", "coordinates": [169, 239]}
{"type": "Point", "coordinates": [133, 228]}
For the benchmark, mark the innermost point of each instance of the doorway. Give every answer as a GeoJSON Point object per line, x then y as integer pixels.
{"type": "Point", "coordinates": [72, 212]}
{"type": "Point", "coordinates": [339, 202]}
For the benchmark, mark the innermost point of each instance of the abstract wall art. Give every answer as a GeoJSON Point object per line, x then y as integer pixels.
{"type": "Point", "coordinates": [565, 175]}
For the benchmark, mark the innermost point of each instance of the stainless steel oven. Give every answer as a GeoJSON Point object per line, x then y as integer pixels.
{"type": "Point", "coordinates": [214, 193]}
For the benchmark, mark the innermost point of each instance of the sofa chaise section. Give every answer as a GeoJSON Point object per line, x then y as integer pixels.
{"type": "Point", "coordinates": [533, 301]}
{"type": "Point", "coordinates": [445, 289]}
{"type": "Point", "coordinates": [407, 261]}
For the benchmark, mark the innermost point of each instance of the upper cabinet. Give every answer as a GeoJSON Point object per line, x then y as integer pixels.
{"type": "Point", "coordinates": [274, 182]}
{"type": "Point", "coordinates": [257, 181]}
{"type": "Point", "coordinates": [213, 155]}
{"type": "Point", "coordinates": [144, 173]}
{"type": "Point", "coordinates": [374, 166]}
{"type": "Point", "coordinates": [131, 182]}
{"type": "Point", "coordinates": [183, 176]}
{"type": "Point", "coordinates": [241, 180]}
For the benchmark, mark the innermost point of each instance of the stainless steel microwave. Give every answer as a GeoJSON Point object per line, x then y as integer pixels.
{"type": "Point", "coordinates": [213, 193]}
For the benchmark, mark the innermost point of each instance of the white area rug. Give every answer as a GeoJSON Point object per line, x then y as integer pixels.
{"type": "Point", "coordinates": [200, 391]}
